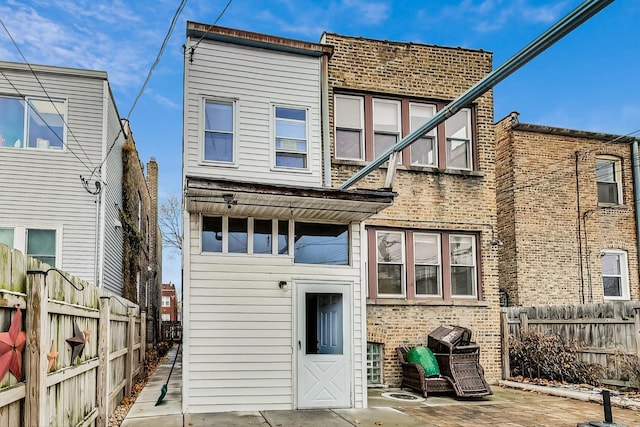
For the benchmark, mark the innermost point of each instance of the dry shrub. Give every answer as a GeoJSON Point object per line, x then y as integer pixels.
{"type": "Point", "coordinates": [537, 355]}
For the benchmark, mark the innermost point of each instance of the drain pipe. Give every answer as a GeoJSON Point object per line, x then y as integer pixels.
{"type": "Point", "coordinates": [635, 171]}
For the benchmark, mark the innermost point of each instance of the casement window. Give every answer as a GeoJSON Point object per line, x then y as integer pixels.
{"type": "Point", "coordinates": [321, 244]}
{"type": "Point", "coordinates": [415, 264]}
{"type": "Point", "coordinates": [609, 179]}
{"type": "Point", "coordinates": [615, 274]}
{"type": "Point", "coordinates": [218, 131]}
{"type": "Point", "coordinates": [349, 122]}
{"type": "Point", "coordinates": [33, 123]}
{"type": "Point", "coordinates": [245, 235]}
{"type": "Point", "coordinates": [41, 244]}
{"type": "Point", "coordinates": [291, 142]}
{"type": "Point", "coordinates": [366, 126]}
{"type": "Point", "coordinates": [166, 301]}
{"type": "Point", "coordinates": [374, 363]}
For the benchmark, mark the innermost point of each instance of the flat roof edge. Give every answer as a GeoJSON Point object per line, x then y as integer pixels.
{"type": "Point", "coordinates": [53, 69]}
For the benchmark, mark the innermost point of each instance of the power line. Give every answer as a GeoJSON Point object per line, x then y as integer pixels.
{"type": "Point", "coordinates": [192, 49]}
{"type": "Point", "coordinates": [48, 97]}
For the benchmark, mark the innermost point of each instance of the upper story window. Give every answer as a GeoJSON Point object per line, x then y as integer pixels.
{"type": "Point", "coordinates": [218, 131]}
{"type": "Point", "coordinates": [615, 275]}
{"type": "Point", "coordinates": [414, 264]}
{"type": "Point", "coordinates": [609, 179]}
{"type": "Point", "coordinates": [291, 142]}
{"type": "Point", "coordinates": [32, 123]}
{"type": "Point", "coordinates": [166, 301]}
{"type": "Point", "coordinates": [366, 126]}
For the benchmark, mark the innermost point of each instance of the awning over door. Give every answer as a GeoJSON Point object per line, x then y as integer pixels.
{"type": "Point", "coordinates": [243, 199]}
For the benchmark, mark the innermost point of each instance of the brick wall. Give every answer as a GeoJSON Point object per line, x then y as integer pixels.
{"type": "Point", "coordinates": [538, 214]}
{"type": "Point", "coordinates": [428, 198]}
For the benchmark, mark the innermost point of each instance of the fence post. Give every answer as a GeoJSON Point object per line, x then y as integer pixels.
{"type": "Point", "coordinates": [102, 386]}
{"type": "Point", "coordinates": [524, 322]}
{"type": "Point", "coordinates": [129, 363]}
{"type": "Point", "coordinates": [35, 413]}
{"type": "Point", "coordinates": [504, 332]}
{"type": "Point", "coordinates": [636, 318]}
{"type": "Point", "coordinates": [143, 335]}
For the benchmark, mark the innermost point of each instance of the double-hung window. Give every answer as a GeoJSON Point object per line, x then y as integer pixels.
{"type": "Point", "coordinates": [218, 131]}
{"type": "Point", "coordinates": [349, 124]}
{"type": "Point", "coordinates": [291, 142]}
{"type": "Point", "coordinates": [458, 143]}
{"type": "Point", "coordinates": [609, 179]}
{"type": "Point", "coordinates": [423, 265]}
{"type": "Point", "coordinates": [386, 125]}
{"type": "Point", "coordinates": [32, 123]}
{"type": "Point", "coordinates": [424, 152]}
{"type": "Point", "coordinates": [615, 276]}
{"type": "Point", "coordinates": [41, 244]}
{"type": "Point", "coordinates": [166, 301]}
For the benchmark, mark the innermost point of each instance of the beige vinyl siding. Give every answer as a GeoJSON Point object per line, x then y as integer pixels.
{"type": "Point", "coordinates": [256, 79]}
{"type": "Point", "coordinates": [241, 328]}
{"type": "Point", "coordinates": [42, 187]}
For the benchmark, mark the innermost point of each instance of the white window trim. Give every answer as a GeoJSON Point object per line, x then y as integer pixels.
{"type": "Point", "coordinates": [398, 131]}
{"type": "Point", "coordinates": [624, 273]}
{"type": "Point", "coordinates": [469, 141]}
{"type": "Point", "coordinates": [167, 299]}
{"type": "Point", "coordinates": [25, 124]}
{"type": "Point", "coordinates": [20, 237]}
{"type": "Point", "coordinates": [250, 235]}
{"type": "Point", "coordinates": [617, 175]}
{"type": "Point", "coordinates": [272, 121]}
{"type": "Point", "coordinates": [440, 284]}
{"type": "Point", "coordinates": [360, 100]}
{"type": "Point", "coordinates": [434, 109]}
{"type": "Point", "coordinates": [474, 285]}
{"type": "Point", "coordinates": [201, 130]}
{"type": "Point", "coordinates": [403, 273]}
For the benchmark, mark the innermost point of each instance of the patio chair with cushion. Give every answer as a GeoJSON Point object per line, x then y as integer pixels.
{"type": "Point", "coordinates": [413, 376]}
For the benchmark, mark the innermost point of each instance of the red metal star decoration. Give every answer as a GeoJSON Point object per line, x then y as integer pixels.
{"type": "Point", "coordinates": [76, 342]}
{"type": "Point", "coordinates": [11, 345]}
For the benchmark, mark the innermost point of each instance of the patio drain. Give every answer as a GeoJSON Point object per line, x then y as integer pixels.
{"type": "Point", "coordinates": [403, 397]}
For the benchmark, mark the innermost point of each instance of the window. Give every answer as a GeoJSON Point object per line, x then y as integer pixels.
{"type": "Point", "coordinates": [349, 122]}
{"type": "Point", "coordinates": [166, 301]}
{"type": "Point", "coordinates": [417, 264]}
{"type": "Point", "coordinates": [218, 131]}
{"type": "Point", "coordinates": [609, 179]}
{"type": "Point", "coordinates": [374, 363]}
{"type": "Point", "coordinates": [321, 244]}
{"type": "Point", "coordinates": [390, 249]}
{"type": "Point", "coordinates": [245, 235]}
{"type": "Point", "coordinates": [367, 126]}
{"type": "Point", "coordinates": [166, 317]}
{"type": "Point", "coordinates": [32, 123]}
{"type": "Point", "coordinates": [6, 237]}
{"type": "Point", "coordinates": [615, 277]}
{"type": "Point", "coordinates": [41, 244]}
{"type": "Point", "coordinates": [291, 138]}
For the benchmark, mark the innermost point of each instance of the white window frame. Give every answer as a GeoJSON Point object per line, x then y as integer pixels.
{"type": "Point", "coordinates": [337, 126]}
{"type": "Point", "coordinates": [166, 301]}
{"type": "Point", "coordinates": [439, 264]}
{"type": "Point", "coordinates": [20, 237]}
{"type": "Point", "coordinates": [624, 275]}
{"type": "Point", "coordinates": [433, 134]}
{"type": "Point", "coordinates": [250, 236]}
{"type": "Point", "coordinates": [403, 269]}
{"type": "Point", "coordinates": [617, 171]}
{"type": "Point", "coordinates": [468, 141]}
{"type": "Point", "coordinates": [27, 112]}
{"type": "Point", "coordinates": [234, 133]}
{"type": "Point", "coordinates": [474, 258]}
{"type": "Point", "coordinates": [377, 130]}
{"type": "Point", "coordinates": [274, 136]}
{"type": "Point", "coordinates": [165, 317]}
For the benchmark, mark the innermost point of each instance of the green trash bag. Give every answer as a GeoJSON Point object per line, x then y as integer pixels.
{"type": "Point", "coordinates": [424, 357]}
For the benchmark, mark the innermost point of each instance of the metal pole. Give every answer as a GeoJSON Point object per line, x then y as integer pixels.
{"type": "Point", "coordinates": [561, 28]}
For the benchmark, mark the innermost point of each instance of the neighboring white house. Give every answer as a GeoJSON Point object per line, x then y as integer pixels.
{"type": "Point", "coordinates": [59, 126]}
{"type": "Point", "coordinates": [274, 301]}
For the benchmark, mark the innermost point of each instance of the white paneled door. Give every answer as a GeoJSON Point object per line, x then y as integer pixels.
{"type": "Point", "coordinates": [324, 345]}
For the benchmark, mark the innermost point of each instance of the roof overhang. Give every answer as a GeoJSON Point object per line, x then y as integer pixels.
{"type": "Point", "coordinates": [244, 199]}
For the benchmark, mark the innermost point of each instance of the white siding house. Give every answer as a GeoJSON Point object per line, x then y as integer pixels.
{"type": "Point", "coordinates": [56, 126]}
{"type": "Point", "coordinates": [274, 313]}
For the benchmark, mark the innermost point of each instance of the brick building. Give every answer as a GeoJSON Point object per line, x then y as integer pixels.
{"type": "Point", "coordinates": [565, 214]}
{"type": "Point", "coordinates": [169, 310]}
{"type": "Point", "coordinates": [432, 258]}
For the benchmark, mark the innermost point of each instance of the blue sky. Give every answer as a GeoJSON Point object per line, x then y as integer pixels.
{"type": "Point", "coordinates": [589, 80]}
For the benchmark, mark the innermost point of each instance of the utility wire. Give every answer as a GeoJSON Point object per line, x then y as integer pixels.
{"type": "Point", "coordinates": [192, 49]}
{"type": "Point", "coordinates": [48, 97]}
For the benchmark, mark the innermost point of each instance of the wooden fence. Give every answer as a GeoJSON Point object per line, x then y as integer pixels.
{"type": "Point", "coordinates": [55, 390]}
{"type": "Point", "coordinates": [608, 333]}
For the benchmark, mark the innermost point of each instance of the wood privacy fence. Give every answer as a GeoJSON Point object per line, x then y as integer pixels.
{"type": "Point", "coordinates": [609, 333]}
{"type": "Point", "coordinates": [55, 390]}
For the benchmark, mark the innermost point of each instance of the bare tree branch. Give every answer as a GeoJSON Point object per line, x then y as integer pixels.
{"type": "Point", "coordinates": [170, 221]}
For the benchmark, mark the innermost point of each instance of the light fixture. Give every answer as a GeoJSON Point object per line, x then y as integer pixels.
{"type": "Point", "coordinates": [283, 285]}
{"type": "Point", "coordinates": [117, 223]}
{"type": "Point", "coordinates": [229, 200]}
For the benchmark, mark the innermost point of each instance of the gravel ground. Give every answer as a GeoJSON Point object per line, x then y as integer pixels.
{"type": "Point", "coordinates": [120, 412]}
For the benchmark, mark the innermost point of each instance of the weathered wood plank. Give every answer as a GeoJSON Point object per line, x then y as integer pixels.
{"type": "Point", "coordinates": [12, 394]}
{"type": "Point", "coordinates": [35, 413]}
{"type": "Point", "coordinates": [102, 386]}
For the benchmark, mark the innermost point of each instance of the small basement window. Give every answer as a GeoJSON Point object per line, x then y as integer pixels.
{"type": "Point", "coordinates": [374, 363]}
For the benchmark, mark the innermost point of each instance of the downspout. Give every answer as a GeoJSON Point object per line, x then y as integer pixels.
{"type": "Point", "coordinates": [324, 111]}
{"type": "Point", "coordinates": [577, 153]}
{"type": "Point", "coordinates": [635, 171]}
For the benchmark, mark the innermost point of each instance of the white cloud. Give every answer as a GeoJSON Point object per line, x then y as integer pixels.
{"type": "Point", "coordinates": [372, 12]}
{"type": "Point", "coordinates": [166, 102]}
